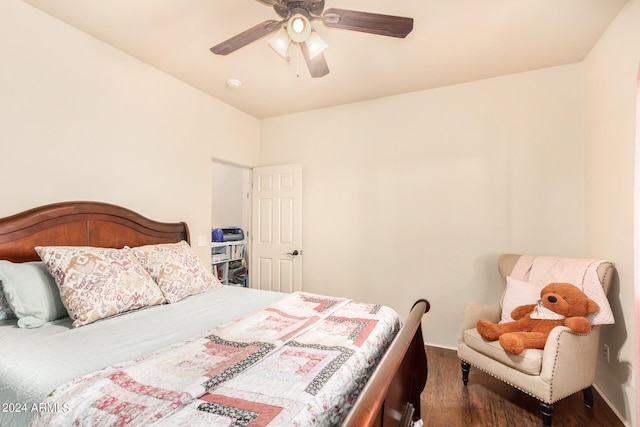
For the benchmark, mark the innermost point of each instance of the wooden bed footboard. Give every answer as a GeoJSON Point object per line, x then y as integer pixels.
{"type": "Point", "coordinates": [391, 397]}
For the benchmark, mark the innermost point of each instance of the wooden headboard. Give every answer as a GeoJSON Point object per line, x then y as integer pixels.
{"type": "Point", "coordinates": [81, 224]}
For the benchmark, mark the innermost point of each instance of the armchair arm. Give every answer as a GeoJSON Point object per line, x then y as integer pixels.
{"type": "Point", "coordinates": [569, 360]}
{"type": "Point", "coordinates": [475, 311]}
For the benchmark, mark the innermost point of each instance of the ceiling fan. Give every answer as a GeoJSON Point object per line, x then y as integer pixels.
{"type": "Point", "coordinates": [296, 27]}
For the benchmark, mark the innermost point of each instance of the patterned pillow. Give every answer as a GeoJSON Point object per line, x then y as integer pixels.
{"type": "Point", "coordinates": [5, 311]}
{"type": "Point", "coordinates": [176, 269]}
{"type": "Point", "coordinates": [96, 283]}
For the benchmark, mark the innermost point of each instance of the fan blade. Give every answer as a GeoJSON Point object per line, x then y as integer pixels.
{"type": "Point", "coordinates": [317, 65]}
{"type": "Point", "coordinates": [245, 37]}
{"type": "Point", "coordinates": [365, 22]}
{"type": "Point", "coordinates": [269, 2]}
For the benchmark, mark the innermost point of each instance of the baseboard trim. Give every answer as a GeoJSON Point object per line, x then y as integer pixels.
{"type": "Point", "coordinates": [610, 405]}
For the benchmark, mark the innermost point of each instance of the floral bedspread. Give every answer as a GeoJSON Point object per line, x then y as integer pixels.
{"type": "Point", "coordinates": [301, 361]}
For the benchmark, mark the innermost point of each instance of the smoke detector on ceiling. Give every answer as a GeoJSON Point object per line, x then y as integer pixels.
{"type": "Point", "coordinates": [233, 83]}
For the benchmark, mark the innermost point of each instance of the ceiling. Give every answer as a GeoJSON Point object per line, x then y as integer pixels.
{"type": "Point", "coordinates": [453, 41]}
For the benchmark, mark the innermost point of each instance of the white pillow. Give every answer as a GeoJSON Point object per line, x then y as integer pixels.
{"type": "Point", "coordinates": [517, 293]}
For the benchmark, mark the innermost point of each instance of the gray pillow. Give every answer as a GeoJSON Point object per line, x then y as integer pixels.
{"type": "Point", "coordinates": [31, 292]}
{"type": "Point", "coordinates": [5, 311]}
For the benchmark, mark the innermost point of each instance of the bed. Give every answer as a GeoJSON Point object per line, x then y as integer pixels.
{"type": "Point", "coordinates": [44, 364]}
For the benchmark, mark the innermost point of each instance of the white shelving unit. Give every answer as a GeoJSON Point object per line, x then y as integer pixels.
{"type": "Point", "coordinates": [228, 262]}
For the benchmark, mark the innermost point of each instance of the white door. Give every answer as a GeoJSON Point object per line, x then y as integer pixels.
{"type": "Point", "coordinates": [277, 228]}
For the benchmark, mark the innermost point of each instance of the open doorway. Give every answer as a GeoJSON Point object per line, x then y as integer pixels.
{"type": "Point", "coordinates": [231, 210]}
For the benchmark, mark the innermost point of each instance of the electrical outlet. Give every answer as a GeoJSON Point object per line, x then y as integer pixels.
{"type": "Point", "coordinates": [202, 240]}
{"type": "Point", "coordinates": [605, 353]}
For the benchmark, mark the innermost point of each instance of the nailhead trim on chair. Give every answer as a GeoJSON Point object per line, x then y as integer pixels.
{"type": "Point", "coordinates": [555, 360]}
{"type": "Point", "coordinates": [504, 381]}
{"type": "Point", "coordinates": [606, 273]}
{"type": "Point", "coordinates": [555, 364]}
{"type": "Point", "coordinates": [552, 400]}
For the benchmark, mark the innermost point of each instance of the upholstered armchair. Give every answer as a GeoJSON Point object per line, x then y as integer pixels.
{"type": "Point", "coordinates": [567, 364]}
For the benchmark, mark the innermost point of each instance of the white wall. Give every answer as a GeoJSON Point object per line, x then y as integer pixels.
{"type": "Point", "coordinates": [611, 71]}
{"type": "Point", "coordinates": [416, 195]}
{"type": "Point", "coordinates": [80, 120]}
{"type": "Point", "coordinates": [227, 186]}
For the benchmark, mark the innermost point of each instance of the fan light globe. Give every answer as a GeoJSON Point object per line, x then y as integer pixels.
{"type": "Point", "coordinates": [297, 25]}
{"type": "Point", "coordinates": [299, 28]}
{"type": "Point", "coordinates": [280, 42]}
{"type": "Point", "coordinates": [315, 44]}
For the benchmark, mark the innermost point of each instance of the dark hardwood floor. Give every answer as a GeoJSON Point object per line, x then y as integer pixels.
{"type": "Point", "coordinates": [487, 401]}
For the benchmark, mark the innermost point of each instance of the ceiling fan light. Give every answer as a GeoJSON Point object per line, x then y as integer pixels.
{"type": "Point", "coordinates": [299, 28]}
{"type": "Point", "coordinates": [315, 44]}
{"type": "Point", "coordinates": [280, 42]}
{"type": "Point", "coordinates": [297, 25]}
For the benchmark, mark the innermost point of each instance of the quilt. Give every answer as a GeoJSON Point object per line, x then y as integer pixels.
{"type": "Point", "coordinates": [301, 361]}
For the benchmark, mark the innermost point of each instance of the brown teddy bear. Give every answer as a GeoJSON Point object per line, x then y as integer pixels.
{"type": "Point", "coordinates": [561, 304]}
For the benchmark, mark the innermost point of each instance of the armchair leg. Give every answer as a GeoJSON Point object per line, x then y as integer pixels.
{"type": "Point", "coordinates": [547, 414]}
{"type": "Point", "coordinates": [466, 367]}
{"type": "Point", "coordinates": [588, 397]}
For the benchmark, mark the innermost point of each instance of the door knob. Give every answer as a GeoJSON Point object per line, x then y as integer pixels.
{"type": "Point", "coordinates": [294, 253]}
